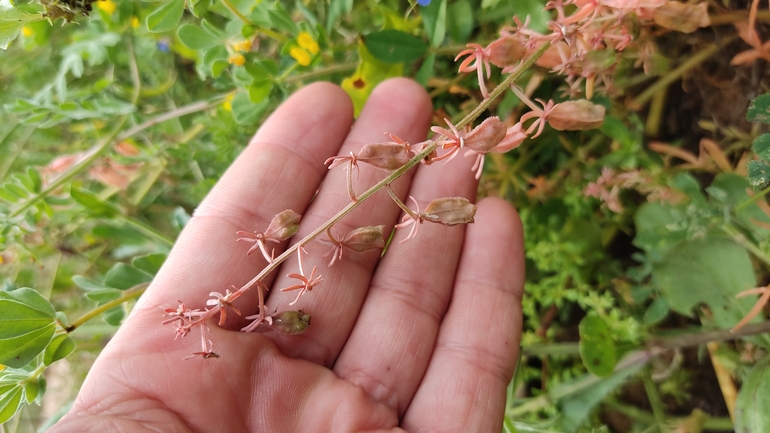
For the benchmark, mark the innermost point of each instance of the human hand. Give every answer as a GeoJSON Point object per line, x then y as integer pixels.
{"type": "Point", "coordinates": [422, 339]}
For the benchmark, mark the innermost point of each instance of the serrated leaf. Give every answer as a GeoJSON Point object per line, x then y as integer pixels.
{"type": "Point", "coordinates": [150, 263]}
{"type": "Point", "coordinates": [434, 19]}
{"type": "Point", "coordinates": [597, 348]}
{"type": "Point", "coordinates": [761, 147]}
{"type": "Point", "coordinates": [751, 414]}
{"type": "Point", "coordinates": [59, 348]}
{"type": "Point", "coordinates": [10, 402]}
{"type": "Point", "coordinates": [195, 38]}
{"type": "Point", "coordinates": [166, 17]}
{"type": "Point", "coordinates": [393, 46]}
{"type": "Point", "coordinates": [123, 276]}
{"type": "Point", "coordinates": [759, 109]}
{"type": "Point", "coordinates": [758, 174]}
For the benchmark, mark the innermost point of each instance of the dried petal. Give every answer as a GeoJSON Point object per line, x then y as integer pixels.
{"type": "Point", "coordinates": [514, 136]}
{"type": "Point", "coordinates": [486, 136]}
{"type": "Point", "coordinates": [386, 156]}
{"type": "Point", "coordinates": [632, 4]}
{"type": "Point", "coordinates": [576, 116]}
{"type": "Point", "coordinates": [291, 322]}
{"type": "Point", "coordinates": [450, 211]}
{"type": "Point", "coordinates": [283, 226]}
{"type": "Point", "coordinates": [365, 238]}
{"type": "Point", "coordinates": [685, 18]}
{"type": "Point", "coordinates": [506, 51]}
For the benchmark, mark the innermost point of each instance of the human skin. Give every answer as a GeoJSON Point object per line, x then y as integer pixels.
{"type": "Point", "coordinates": [424, 339]}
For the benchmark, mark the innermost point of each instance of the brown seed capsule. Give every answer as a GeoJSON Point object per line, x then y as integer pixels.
{"type": "Point", "coordinates": [283, 226]}
{"type": "Point", "coordinates": [385, 156]}
{"type": "Point", "coordinates": [450, 211]}
{"type": "Point", "coordinates": [506, 51]}
{"type": "Point", "coordinates": [576, 116]}
{"type": "Point", "coordinates": [365, 239]}
{"type": "Point", "coordinates": [291, 322]}
{"type": "Point", "coordinates": [486, 136]}
{"type": "Point", "coordinates": [682, 17]}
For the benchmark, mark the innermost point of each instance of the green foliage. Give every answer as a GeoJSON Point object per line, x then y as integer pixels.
{"type": "Point", "coordinates": [393, 46]}
{"type": "Point", "coordinates": [27, 325]}
{"type": "Point", "coordinates": [750, 412]}
{"type": "Point", "coordinates": [597, 348]}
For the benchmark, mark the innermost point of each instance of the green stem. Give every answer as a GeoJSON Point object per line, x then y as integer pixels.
{"type": "Point", "coordinates": [132, 293]}
{"type": "Point", "coordinates": [267, 32]}
{"type": "Point", "coordinates": [343, 67]}
{"type": "Point", "coordinates": [751, 200]}
{"type": "Point", "coordinates": [146, 230]}
{"type": "Point", "coordinates": [397, 173]}
{"type": "Point", "coordinates": [675, 74]}
{"type": "Point", "coordinates": [655, 402]}
{"type": "Point", "coordinates": [647, 417]}
{"type": "Point", "coordinates": [741, 239]}
{"type": "Point", "coordinates": [551, 349]}
{"type": "Point", "coordinates": [76, 169]}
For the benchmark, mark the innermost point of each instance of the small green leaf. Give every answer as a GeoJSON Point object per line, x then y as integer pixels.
{"type": "Point", "coordinates": [104, 295]}
{"type": "Point", "coordinates": [10, 402]}
{"type": "Point", "coordinates": [460, 20]}
{"type": "Point", "coordinates": [59, 348]}
{"type": "Point", "coordinates": [115, 316]}
{"type": "Point", "coordinates": [751, 414]}
{"type": "Point", "coordinates": [150, 263]}
{"type": "Point", "coordinates": [434, 20]}
{"type": "Point", "coordinates": [759, 109]}
{"type": "Point", "coordinates": [123, 276]}
{"type": "Point", "coordinates": [89, 284]}
{"type": "Point", "coordinates": [93, 203]}
{"type": "Point", "coordinates": [166, 17]}
{"type": "Point", "coordinates": [31, 391]}
{"type": "Point", "coordinates": [758, 174]}
{"type": "Point", "coordinates": [260, 90]}
{"type": "Point", "coordinates": [393, 46]}
{"type": "Point", "coordinates": [761, 147]}
{"type": "Point", "coordinates": [657, 311]}
{"type": "Point", "coordinates": [246, 112]}
{"type": "Point", "coordinates": [426, 70]}
{"type": "Point", "coordinates": [597, 348]}
{"type": "Point", "coordinates": [37, 180]}
{"type": "Point", "coordinates": [199, 7]}
{"type": "Point", "coordinates": [195, 38]}
{"type": "Point", "coordinates": [282, 21]}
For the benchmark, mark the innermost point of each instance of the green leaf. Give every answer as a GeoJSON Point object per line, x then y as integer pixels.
{"type": "Point", "coordinates": [597, 348]}
{"type": "Point", "coordinates": [195, 38]}
{"type": "Point", "coordinates": [460, 20]}
{"type": "Point", "coordinates": [260, 90]}
{"type": "Point", "coordinates": [710, 271]}
{"type": "Point", "coordinates": [11, 21]}
{"type": "Point", "coordinates": [150, 263]}
{"type": "Point", "coordinates": [93, 204]}
{"type": "Point", "coordinates": [246, 112]}
{"type": "Point", "coordinates": [434, 20]}
{"type": "Point", "coordinates": [751, 414]}
{"type": "Point", "coordinates": [26, 326]}
{"type": "Point", "coordinates": [166, 17]}
{"type": "Point", "coordinates": [115, 316]}
{"type": "Point", "coordinates": [426, 70]}
{"type": "Point", "coordinates": [282, 21]}
{"type": "Point", "coordinates": [761, 147]}
{"type": "Point", "coordinates": [37, 180]}
{"type": "Point", "coordinates": [199, 7]}
{"type": "Point", "coordinates": [10, 402]}
{"type": "Point", "coordinates": [759, 109]}
{"type": "Point", "coordinates": [123, 276]}
{"type": "Point", "coordinates": [59, 348]}
{"type": "Point", "coordinates": [368, 75]}
{"type": "Point", "coordinates": [337, 8]}
{"type": "Point", "coordinates": [657, 311]}
{"type": "Point", "coordinates": [759, 174]}
{"type": "Point", "coordinates": [89, 284]}
{"type": "Point", "coordinates": [104, 295]}
{"type": "Point", "coordinates": [652, 222]}
{"type": "Point", "coordinates": [393, 46]}
{"type": "Point", "coordinates": [31, 391]}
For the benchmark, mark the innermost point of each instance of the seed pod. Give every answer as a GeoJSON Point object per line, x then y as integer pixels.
{"type": "Point", "coordinates": [576, 116]}
{"type": "Point", "coordinates": [506, 51]}
{"type": "Point", "coordinates": [682, 17]}
{"type": "Point", "coordinates": [283, 226]}
{"type": "Point", "coordinates": [385, 156]}
{"type": "Point", "coordinates": [291, 322]}
{"type": "Point", "coordinates": [450, 211]}
{"type": "Point", "coordinates": [486, 136]}
{"type": "Point", "coordinates": [365, 239]}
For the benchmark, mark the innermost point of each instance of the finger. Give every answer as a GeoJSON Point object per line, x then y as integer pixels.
{"type": "Point", "coordinates": [392, 341]}
{"type": "Point", "coordinates": [475, 354]}
{"type": "Point", "coordinates": [400, 107]}
{"type": "Point", "coordinates": [280, 169]}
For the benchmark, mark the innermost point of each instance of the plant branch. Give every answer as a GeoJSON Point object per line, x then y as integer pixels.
{"type": "Point", "coordinates": [131, 293]}
{"type": "Point", "coordinates": [751, 200]}
{"type": "Point", "coordinates": [397, 173]}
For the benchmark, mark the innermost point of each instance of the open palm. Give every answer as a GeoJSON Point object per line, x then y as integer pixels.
{"type": "Point", "coordinates": [424, 338]}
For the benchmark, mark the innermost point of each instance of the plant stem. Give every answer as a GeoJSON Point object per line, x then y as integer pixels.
{"type": "Point", "coordinates": [751, 200]}
{"type": "Point", "coordinates": [675, 74]}
{"type": "Point", "coordinates": [734, 17]}
{"type": "Point", "coordinates": [397, 173]}
{"type": "Point", "coordinates": [267, 32]}
{"type": "Point", "coordinates": [131, 293]}
{"type": "Point", "coordinates": [698, 338]}
{"type": "Point", "coordinates": [644, 416]}
{"type": "Point", "coordinates": [173, 114]}
{"type": "Point", "coordinates": [655, 402]}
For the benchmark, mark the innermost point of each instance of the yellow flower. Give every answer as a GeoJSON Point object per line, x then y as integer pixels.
{"type": "Point", "coordinates": [134, 22]}
{"type": "Point", "coordinates": [307, 42]}
{"type": "Point", "coordinates": [107, 6]}
{"type": "Point", "coordinates": [237, 60]}
{"type": "Point", "coordinates": [228, 103]}
{"type": "Point", "coordinates": [301, 56]}
{"type": "Point", "coordinates": [27, 31]}
{"type": "Point", "coordinates": [243, 46]}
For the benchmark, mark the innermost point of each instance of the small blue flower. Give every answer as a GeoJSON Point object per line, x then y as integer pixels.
{"type": "Point", "coordinates": [423, 3]}
{"type": "Point", "coordinates": [164, 45]}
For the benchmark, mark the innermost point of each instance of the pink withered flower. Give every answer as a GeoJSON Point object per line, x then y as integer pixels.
{"type": "Point", "coordinates": [541, 115]}
{"type": "Point", "coordinates": [477, 60]}
{"type": "Point", "coordinates": [514, 136]}
{"type": "Point", "coordinates": [307, 283]}
{"type": "Point", "coordinates": [282, 227]}
{"type": "Point", "coordinates": [359, 240]}
{"type": "Point", "coordinates": [223, 302]}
